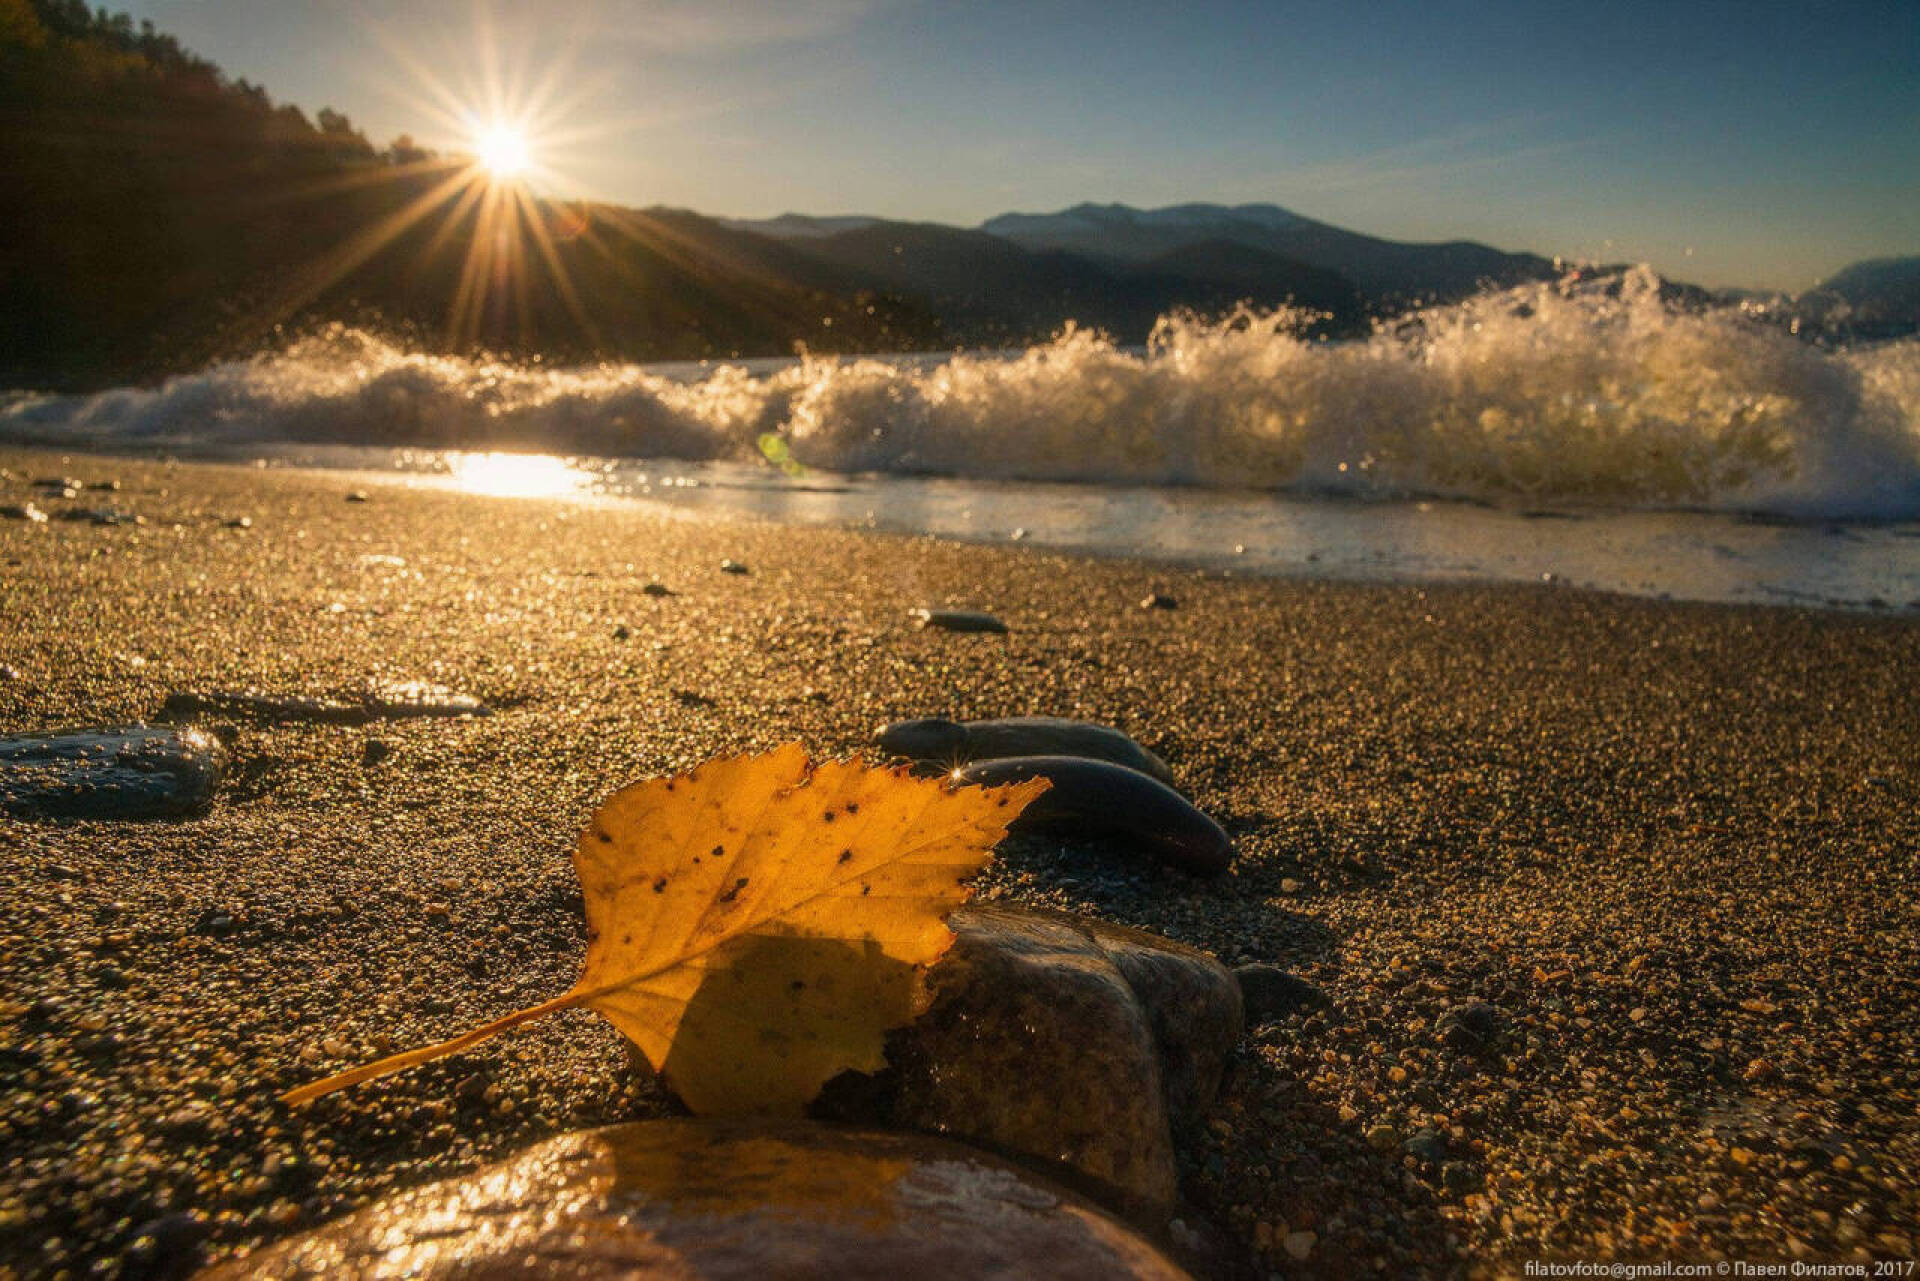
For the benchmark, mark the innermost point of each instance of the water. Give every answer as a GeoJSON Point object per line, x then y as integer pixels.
{"type": "Point", "coordinates": [1582, 435]}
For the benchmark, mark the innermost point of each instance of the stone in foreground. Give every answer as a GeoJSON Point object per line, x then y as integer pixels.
{"type": "Point", "coordinates": [958, 742]}
{"type": "Point", "coordinates": [1073, 1041]}
{"type": "Point", "coordinates": [720, 1200]}
{"type": "Point", "coordinates": [126, 772]}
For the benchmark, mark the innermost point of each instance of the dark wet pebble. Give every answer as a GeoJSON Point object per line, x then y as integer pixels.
{"type": "Point", "coordinates": [732, 567]}
{"type": "Point", "coordinates": [375, 750]}
{"type": "Point", "coordinates": [167, 1247]}
{"type": "Point", "coordinates": [127, 772]}
{"type": "Point", "coordinates": [24, 511]}
{"type": "Point", "coordinates": [1426, 1147]}
{"type": "Point", "coordinates": [959, 620]}
{"type": "Point", "coordinates": [1098, 799]}
{"type": "Point", "coordinates": [1272, 994]}
{"type": "Point", "coordinates": [1159, 600]}
{"type": "Point", "coordinates": [657, 589]}
{"type": "Point", "coordinates": [946, 742]}
{"type": "Point", "coordinates": [622, 632]}
{"type": "Point", "coordinates": [240, 522]}
{"type": "Point", "coordinates": [357, 496]}
{"type": "Point", "coordinates": [102, 516]}
{"type": "Point", "coordinates": [1470, 1027]}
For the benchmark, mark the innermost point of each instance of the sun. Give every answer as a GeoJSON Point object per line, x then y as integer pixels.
{"type": "Point", "coordinates": [503, 152]}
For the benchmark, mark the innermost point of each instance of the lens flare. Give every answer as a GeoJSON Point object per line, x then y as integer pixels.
{"type": "Point", "coordinates": [503, 152]}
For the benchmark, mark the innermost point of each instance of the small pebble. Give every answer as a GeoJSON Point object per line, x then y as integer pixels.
{"type": "Point", "coordinates": [732, 567]}
{"type": "Point", "coordinates": [1159, 600]}
{"type": "Point", "coordinates": [959, 620]}
{"type": "Point", "coordinates": [657, 589]}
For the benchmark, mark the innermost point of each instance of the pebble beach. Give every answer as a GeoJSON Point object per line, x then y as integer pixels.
{"type": "Point", "coordinates": [1605, 908]}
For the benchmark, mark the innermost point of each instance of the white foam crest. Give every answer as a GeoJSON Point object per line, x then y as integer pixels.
{"type": "Point", "coordinates": [1595, 394]}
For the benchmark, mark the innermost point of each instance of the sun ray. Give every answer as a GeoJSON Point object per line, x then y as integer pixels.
{"type": "Point", "coordinates": [556, 269]}
{"type": "Point", "coordinates": [333, 267]}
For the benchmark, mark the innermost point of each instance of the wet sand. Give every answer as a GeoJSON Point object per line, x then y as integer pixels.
{"type": "Point", "coordinates": [1673, 847]}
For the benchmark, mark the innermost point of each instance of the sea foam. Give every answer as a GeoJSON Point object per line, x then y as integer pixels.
{"type": "Point", "coordinates": [1595, 394]}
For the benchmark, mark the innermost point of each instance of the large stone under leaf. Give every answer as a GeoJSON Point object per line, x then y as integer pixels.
{"type": "Point", "coordinates": [724, 1200]}
{"type": "Point", "coordinates": [1071, 1041]}
{"type": "Point", "coordinates": [125, 772]}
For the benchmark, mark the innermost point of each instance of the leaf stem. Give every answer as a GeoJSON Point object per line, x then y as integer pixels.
{"type": "Point", "coordinates": [414, 1058]}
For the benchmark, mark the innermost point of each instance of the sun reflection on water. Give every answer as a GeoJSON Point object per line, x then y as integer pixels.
{"type": "Point", "coordinates": [516, 475]}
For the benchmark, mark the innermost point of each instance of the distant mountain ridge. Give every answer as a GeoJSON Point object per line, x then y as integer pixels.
{"type": "Point", "coordinates": [1387, 271]}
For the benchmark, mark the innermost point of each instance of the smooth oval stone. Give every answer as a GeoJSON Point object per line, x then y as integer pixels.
{"type": "Point", "coordinates": [957, 742]}
{"type": "Point", "coordinates": [128, 772]}
{"type": "Point", "coordinates": [1097, 798]}
{"type": "Point", "coordinates": [718, 1200]}
{"type": "Point", "coordinates": [959, 620]}
{"type": "Point", "coordinates": [1068, 1040]}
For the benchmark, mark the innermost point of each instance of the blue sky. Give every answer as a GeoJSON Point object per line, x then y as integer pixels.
{"type": "Point", "coordinates": [1729, 143]}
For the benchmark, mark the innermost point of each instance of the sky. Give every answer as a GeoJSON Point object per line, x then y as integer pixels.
{"type": "Point", "coordinates": [1745, 143]}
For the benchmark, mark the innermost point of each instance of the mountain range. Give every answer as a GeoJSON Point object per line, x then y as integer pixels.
{"type": "Point", "coordinates": [161, 215]}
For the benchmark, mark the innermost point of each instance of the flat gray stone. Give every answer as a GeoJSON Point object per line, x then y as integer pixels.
{"type": "Point", "coordinates": [1097, 799]}
{"type": "Point", "coordinates": [726, 1200]}
{"type": "Point", "coordinates": [946, 742]}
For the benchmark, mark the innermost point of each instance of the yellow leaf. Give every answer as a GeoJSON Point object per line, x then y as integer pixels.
{"type": "Point", "coordinates": [755, 926]}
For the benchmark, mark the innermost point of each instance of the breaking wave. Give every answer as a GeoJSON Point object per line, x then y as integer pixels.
{"type": "Point", "coordinates": [1597, 395]}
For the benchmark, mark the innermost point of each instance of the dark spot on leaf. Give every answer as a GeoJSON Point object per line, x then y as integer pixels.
{"type": "Point", "coordinates": [853, 807]}
{"type": "Point", "coordinates": [604, 838]}
{"type": "Point", "coordinates": [846, 856]}
{"type": "Point", "coordinates": [718, 850]}
{"type": "Point", "coordinates": [734, 893]}
{"type": "Point", "coordinates": [828, 816]}
{"type": "Point", "coordinates": [798, 985]}
{"type": "Point", "coordinates": [865, 890]}
{"type": "Point", "coordinates": [659, 885]}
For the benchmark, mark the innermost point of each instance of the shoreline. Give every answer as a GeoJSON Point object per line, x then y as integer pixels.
{"type": "Point", "coordinates": [1669, 554]}
{"type": "Point", "coordinates": [1676, 845]}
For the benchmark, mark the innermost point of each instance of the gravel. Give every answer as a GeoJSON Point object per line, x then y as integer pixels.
{"type": "Point", "coordinates": [1613, 901]}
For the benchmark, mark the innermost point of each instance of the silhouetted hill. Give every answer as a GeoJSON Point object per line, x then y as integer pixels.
{"type": "Point", "coordinates": [1874, 298]}
{"type": "Point", "coordinates": [988, 290]}
{"type": "Point", "coordinates": [794, 226]}
{"type": "Point", "coordinates": [1221, 272]}
{"type": "Point", "coordinates": [159, 215]}
{"type": "Point", "coordinates": [1389, 272]}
